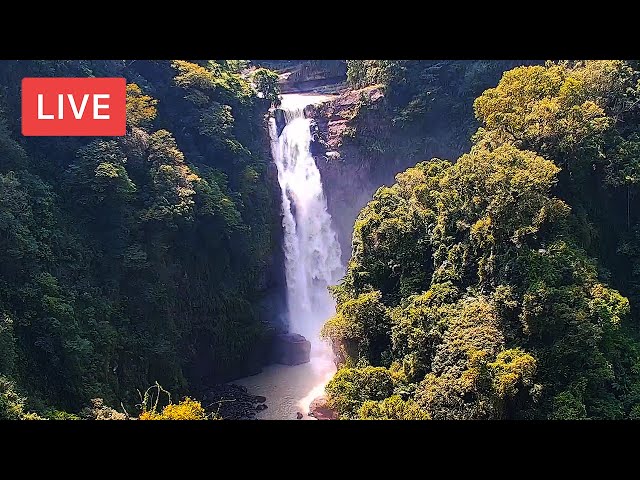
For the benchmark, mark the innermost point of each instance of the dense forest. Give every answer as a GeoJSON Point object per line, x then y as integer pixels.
{"type": "Point", "coordinates": [498, 281]}
{"type": "Point", "coordinates": [504, 284]}
{"type": "Point", "coordinates": [135, 259]}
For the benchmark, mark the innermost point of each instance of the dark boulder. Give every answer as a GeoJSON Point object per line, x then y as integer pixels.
{"type": "Point", "coordinates": [281, 120]}
{"type": "Point", "coordinates": [290, 349]}
{"type": "Point", "coordinates": [310, 111]}
{"type": "Point", "coordinates": [231, 402]}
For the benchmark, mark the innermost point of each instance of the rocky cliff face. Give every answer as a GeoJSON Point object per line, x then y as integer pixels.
{"type": "Point", "coordinates": [363, 138]}
{"type": "Point", "coordinates": [273, 303]}
{"type": "Point", "coordinates": [352, 172]}
{"type": "Point", "coordinates": [317, 76]}
{"type": "Point", "coordinates": [346, 175]}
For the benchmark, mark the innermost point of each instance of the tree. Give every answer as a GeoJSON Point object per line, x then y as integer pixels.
{"type": "Point", "coordinates": [12, 405]}
{"type": "Point", "coordinates": [138, 258]}
{"type": "Point", "coordinates": [392, 408]}
{"type": "Point", "coordinates": [266, 83]}
{"type": "Point", "coordinates": [583, 116]}
{"type": "Point", "coordinates": [350, 388]}
{"type": "Point", "coordinates": [141, 109]}
{"type": "Point", "coordinates": [360, 328]}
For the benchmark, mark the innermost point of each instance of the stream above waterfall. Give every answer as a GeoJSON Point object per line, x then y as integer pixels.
{"type": "Point", "coordinates": [297, 101]}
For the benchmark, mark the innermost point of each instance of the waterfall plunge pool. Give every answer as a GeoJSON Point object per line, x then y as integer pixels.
{"type": "Point", "coordinates": [289, 389]}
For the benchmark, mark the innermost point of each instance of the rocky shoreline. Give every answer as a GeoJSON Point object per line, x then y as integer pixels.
{"type": "Point", "coordinates": [232, 402]}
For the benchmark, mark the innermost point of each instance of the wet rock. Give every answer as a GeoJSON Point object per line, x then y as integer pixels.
{"type": "Point", "coordinates": [320, 409]}
{"type": "Point", "coordinates": [299, 415]}
{"type": "Point", "coordinates": [261, 407]}
{"type": "Point", "coordinates": [231, 402]}
{"type": "Point", "coordinates": [281, 120]}
{"type": "Point", "coordinates": [290, 349]}
{"type": "Point", "coordinates": [310, 111]}
{"type": "Point", "coordinates": [312, 76]}
{"type": "Point", "coordinates": [313, 130]}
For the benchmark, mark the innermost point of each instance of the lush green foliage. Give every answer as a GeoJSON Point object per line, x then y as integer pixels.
{"type": "Point", "coordinates": [141, 109]}
{"type": "Point", "coordinates": [585, 118]}
{"type": "Point", "coordinates": [351, 387]}
{"type": "Point", "coordinates": [60, 415]}
{"type": "Point", "coordinates": [498, 284]}
{"type": "Point", "coordinates": [266, 82]}
{"type": "Point", "coordinates": [140, 258]}
{"type": "Point", "coordinates": [12, 405]}
{"type": "Point", "coordinates": [391, 408]}
{"type": "Point", "coordinates": [504, 285]}
{"type": "Point", "coordinates": [423, 96]}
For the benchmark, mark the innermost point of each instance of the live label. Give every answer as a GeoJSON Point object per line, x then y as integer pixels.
{"type": "Point", "coordinates": [74, 107]}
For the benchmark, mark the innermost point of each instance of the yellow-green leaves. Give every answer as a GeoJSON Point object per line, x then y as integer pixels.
{"type": "Point", "coordinates": [506, 109]}
{"type": "Point", "coordinates": [608, 305]}
{"type": "Point", "coordinates": [187, 409]}
{"type": "Point", "coordinates": [551, 109]}
{"type": "Point", "coordinates": [200, 82]}
{"type": "Point", "coordinates": [487, 266]}
{"type": "Point", "coordinates": [193, 76]}
{"type": "Point", "coordinates": [173, 181]}
{"type": "Point", "coordinates": [266, 82]}
{"type": "Point", "coordinates": [392, 408]}
{"type": "Point", "coordinates": [141, 109]}
{"type": "Point", "coordinates": [512, 369]}
{"type": "Point", "coordinates": [361, 325]}
{"type": "Point", "coordinates": [351, 387]}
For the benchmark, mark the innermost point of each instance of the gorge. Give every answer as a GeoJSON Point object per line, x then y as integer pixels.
{"type": "Point", "coordinates": [463, 234]}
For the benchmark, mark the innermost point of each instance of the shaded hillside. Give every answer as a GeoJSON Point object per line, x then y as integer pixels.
{"type": "Point", "coordinates": [153, 256]}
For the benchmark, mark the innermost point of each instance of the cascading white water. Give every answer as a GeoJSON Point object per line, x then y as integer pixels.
{"type": "Point", "coordinates": [312, 262]}
{"type": "Point", "coordinates": [312, 251]}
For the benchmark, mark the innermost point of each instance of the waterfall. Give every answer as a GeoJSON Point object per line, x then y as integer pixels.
{"type": "Point", "coordinates": [312, 263]}
{"type": "Point", "coordinates": [312, 251]}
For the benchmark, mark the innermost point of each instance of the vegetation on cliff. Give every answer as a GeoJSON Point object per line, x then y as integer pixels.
{"type": "Point", "coordinates": [141, 258]}
{"type": "Point", "coordinates": [506, 284]}
{"type": "Point", "coordinates": [427, 105]}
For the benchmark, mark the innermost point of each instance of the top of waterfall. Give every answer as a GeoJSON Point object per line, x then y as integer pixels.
{"type": "Point", "coordinates": [297, 101]}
